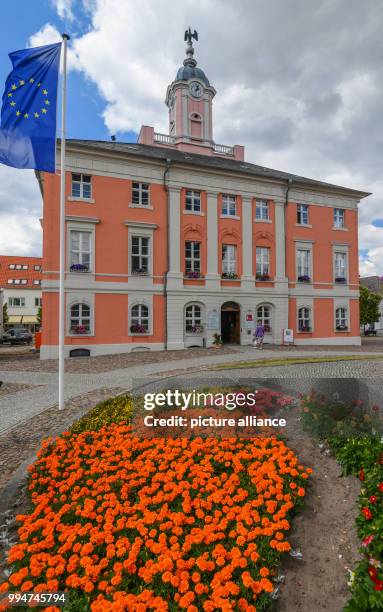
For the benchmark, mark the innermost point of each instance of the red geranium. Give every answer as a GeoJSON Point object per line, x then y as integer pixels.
{"type": "Point", "coordinates": [373, 499]}
{"type": "Point", "coordinates": [367, 514]}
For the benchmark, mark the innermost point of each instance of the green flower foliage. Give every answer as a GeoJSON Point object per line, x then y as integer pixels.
{"type": "Point", "coordinates": [115, 410]}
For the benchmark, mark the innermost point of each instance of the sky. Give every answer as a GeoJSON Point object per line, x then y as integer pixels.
{"type": "Point", "coordinates": [299, 83]}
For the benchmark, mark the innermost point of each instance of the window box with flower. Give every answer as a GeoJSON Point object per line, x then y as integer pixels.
{"type": "Point", "coordinates": [194, 329]}
{"type": "Point", "coordinates": [229, 275]}
{"type": "Point", "coordinates": [262, 277]}
{"type": "Point", "coordinates": [79, 268]}
{"type": "Point", "coordinates": [140, 271]}
{"type": "Point", "coordinates": [137, 328]}
{"type": "Point", "coordinates": [305, 329]}
{"type": "Point", "coordinates": [194, 275]}
{"type": "Point", "coordinates": [79, 330]}
{"type": "Point", "coordinates": [304, 278]}
{"type": "Point", "coordinates": [340, 279]}
{"type": "Point", "coordinates": [342, 327]}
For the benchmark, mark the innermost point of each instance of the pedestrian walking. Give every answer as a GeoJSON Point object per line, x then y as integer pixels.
{"type": "Point", "coordinates": [259, 334]}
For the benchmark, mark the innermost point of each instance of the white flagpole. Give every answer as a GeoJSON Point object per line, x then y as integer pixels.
{"type": "Point", "coordinates": [65, 38]}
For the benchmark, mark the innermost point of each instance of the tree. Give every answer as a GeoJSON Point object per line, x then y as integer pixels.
{"type": "Point", "coordinates": [369, 307]}
{"type": "Point", "coordinates": [5, 314]}
{"type": "Point", "coordinates": [40, 315]}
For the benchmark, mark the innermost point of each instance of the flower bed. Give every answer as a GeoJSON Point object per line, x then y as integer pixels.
{"type": "Point", "coordinates": [159, 524]}
{"type": "Point", "coordinates": [353, 433]}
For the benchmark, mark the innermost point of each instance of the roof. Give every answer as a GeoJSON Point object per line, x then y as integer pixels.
{"type": "Point", "coordinates": [207, 161]}
{"type": "Point", "coordinates": [373, 283]}
{"type": "Point", "coordinates": [185, 73]}
{"type": "Point", "coordinates": [29, 274]}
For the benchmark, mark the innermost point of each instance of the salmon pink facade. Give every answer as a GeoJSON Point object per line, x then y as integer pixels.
{"type": "Point", "coordinates": [175, 239]}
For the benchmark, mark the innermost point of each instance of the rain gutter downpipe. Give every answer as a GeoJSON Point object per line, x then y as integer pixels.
{"type": "Point", "coordinates": [166, 188]}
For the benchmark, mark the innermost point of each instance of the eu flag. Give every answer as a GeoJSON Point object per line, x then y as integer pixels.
{"type": "Point", "coordinates": [28, 112]}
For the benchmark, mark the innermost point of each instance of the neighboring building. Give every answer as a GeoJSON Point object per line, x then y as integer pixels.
{"type": "Point", "coordinates": [375, 284]}
{"type": "Point", "coordinates": [1, 313]}
{"type": "Point", "coordinates": [20, 278]}
{"type": "Point", "coordinates": [176, 238]}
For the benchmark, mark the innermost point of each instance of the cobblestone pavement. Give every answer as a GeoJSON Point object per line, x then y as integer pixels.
{"type": "Point", "coordinates": [7, 388]}
{"type": "Point", "coordinates": [16, 408]}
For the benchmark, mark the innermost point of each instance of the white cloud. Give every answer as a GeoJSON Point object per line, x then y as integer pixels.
{"type": "Point", "coordinates": [64, 9]}
{"type": "Point", "coordinates": [299, 87]}
{"type": "Point", "coordinates": [20, 210]}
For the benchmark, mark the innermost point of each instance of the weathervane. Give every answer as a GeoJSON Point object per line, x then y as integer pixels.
{"type": "Point", "coordinates": [189, 35]}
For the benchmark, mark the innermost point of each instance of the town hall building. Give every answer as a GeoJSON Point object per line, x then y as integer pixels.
{"type": "Point", "coordinates": [175, 239]}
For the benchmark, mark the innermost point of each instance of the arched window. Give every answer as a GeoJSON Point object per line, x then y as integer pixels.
{"type": "Point", "coordinates": [80, 319]}
{"type": "Point", "coordinates": [264, 315]}
{"type": "Point", "coordinates": [341, 322]}
{"type": "Point", "coordinates": [193, 323]}
{"type": "Point", "coordinates": [139, 319]}
{"type": "Point", "coordinates": [304, 319]}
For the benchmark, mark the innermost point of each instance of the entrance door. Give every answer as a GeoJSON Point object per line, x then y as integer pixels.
{"type": "Point", "coordinates": [230, 323]}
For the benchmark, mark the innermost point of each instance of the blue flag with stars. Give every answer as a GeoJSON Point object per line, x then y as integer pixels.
{"type": "Point", "coordinates": [28, 112]}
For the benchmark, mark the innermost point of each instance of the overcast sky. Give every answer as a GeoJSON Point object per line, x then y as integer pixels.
{"type": "Point", "coordinates": [298, 82]}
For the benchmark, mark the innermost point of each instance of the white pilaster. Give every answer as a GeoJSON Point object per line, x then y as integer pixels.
{"type": "Point", "coordinates": [247, 281]}
{"type": "Point", "coordinates": [280, 242]}
{"type": "Point", "coordinates": [174, 275]}
{"type": "Point", "coordinates": [212, 276]}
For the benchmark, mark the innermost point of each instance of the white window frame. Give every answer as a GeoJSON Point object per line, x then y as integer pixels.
{"type": "Point", "coordinates": [262, 210]}
{"type": "Point", "coordinates": [12, 299]}
{"type": "Point", "coordinates": [338, 270]}
{"type": "Point", "coordinates": [339, 219]}
{"type": "Point", "coordinates": [136, 299]}
{"type": "Point", "coordinates": [38, 302]}
{"type": "Point", "coordinates": [82, 225]}
{"type": "Point", "coordinates": [229, 205]}
{"type": "Point", "coordinates": [81, 184]}
{"type": "Point", "coordinates": [83, 252]}
{"type": "Point", "coordinates": [261, 316]}
{"type": "Point", "coordinates": [300, 308]}
{"type": "Point", "coordinates": [37, 282]}
{"type": "Point", "coordinates": [302, 212]}
{"type": "Point", "coordinates": [193, 201]}
{"type": "Point", "coordinates": [81, 318]}
{"type": "Point", "coordinates": [338, 318]}
{"type": "Point", "coordinates": [304, 270]}
{"type": "Point", "coordinates": [139, 318]}
{"type": "Point", "coordinates": [141, 256]}
{"type": "Point", "coordinates": [262, 261]}
{"type": "Point", "coordinates": [193, 318]}
{"type": "Point", "coordinates": [140, 188]}
{"type": "Point", "coordinates": [195, 257]}
{"type": "Point", "coordinates": [229, 265]}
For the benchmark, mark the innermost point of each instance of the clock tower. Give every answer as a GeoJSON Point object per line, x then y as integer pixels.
{"type": "Point", "coordinates": [189, 99]}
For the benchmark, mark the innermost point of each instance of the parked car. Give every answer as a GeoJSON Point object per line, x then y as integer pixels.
{"type": "Point", "coordinates": [17, 336]}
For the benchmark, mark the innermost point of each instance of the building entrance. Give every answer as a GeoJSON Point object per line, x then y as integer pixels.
{"type": "Point", "coordinates": [230, 323]}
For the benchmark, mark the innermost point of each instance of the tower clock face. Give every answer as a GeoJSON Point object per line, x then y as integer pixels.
{"type": "Point", "coordinates": [196, 89]}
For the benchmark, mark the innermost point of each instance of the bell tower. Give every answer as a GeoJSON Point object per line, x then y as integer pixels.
{"type": "Point", "coordinates": [189, 99]}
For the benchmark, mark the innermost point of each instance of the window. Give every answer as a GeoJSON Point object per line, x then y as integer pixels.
{"type": "Point", "coordinates": [304, 319]}
{"type": "Point", "coordinates": [192, 258]}
{"type": "Point", "coordinates": [262, 209]}
{"type": "Point", "coordinates": [193, 323]}
{"type": "Point", "coordinates": [37, 282]}
{"type": "Point", "coordinates": [264, 315]}
{"type": "Point", "coordinates": [303, 267]}
{"type": "Point", "coordinates": [140, 255]}
{"type": "Point", "coordinates": [338, 217]}
{"type": "Point", "coordinates": [18, 267]}
{"type": "Point", "coordinates": [193, 201]}
{"type": "Point", "coordinates": [139, 320]}
{"type": "Point", "coordinates": [37, 268]}
{"type": "Point", "coordinates": [80, 319]}
{"type": "Point", "coordinates": [23, 281]}
{"type": "Point", "coordinates": [302, 214]}
{"type": "Point", "coordinates": [81, 186]}
{"type": "Point", "coordinates": [229, 261]}
{"type": "Point", "coordinates": [229, 205]}
{"type": "Point", "coordinates": [38, 301]}
{"type": "Point", "coordinates": [80, 251]}
{"type": "Point", "coordinates": [340, 267]}
{"type": "Point", "coordinates": [341, 323]}
{"type": "Point", "coordinates": [16, 301]}
{"type": "Point", "coordinates": [17, 281]}
{"type": "Point", "coordinates": [140, 194]}
{"type": "Point", "coordinates": [262, 263]}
